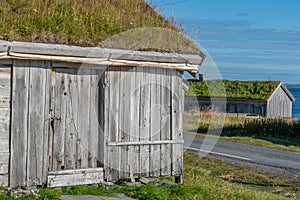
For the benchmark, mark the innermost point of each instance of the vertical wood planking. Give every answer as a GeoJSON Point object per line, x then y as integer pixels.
{"type": "Point", "coordinates": [105, 123]}
{"type": "Point", "coordinates": [20, 88]}
{"type": "Point", "coordinates": [59, 121]}
{"type": "Point", "coordinates": [113, 134]}
{"type": "Point", "coordinates": [5, 98]}
{"type": "Point", "coordinates": [83, 118]}
{"type": "Point", "coordinates": [47, 120]}
{"type": "Point", "coordinates": [94, 123]}
{"type": "Point", "coordinates": [166, 122]}
{"type": "Point", "coordinates": [124, 124]}
{"type": "Point", "coordinates": [145, 121]}
{"type": "Point", "coordinates": [104, 105]}
{"type": "Point", "coordinates": [155, 121]}
{"type": "Point", "coordinates": [177, 149]}
{"type": "Point", "coordinates": [36, 122]}
{"type": "Point", "coordinates": [71, 132]}
{"type": "Point", "coordinates": [134, 151]}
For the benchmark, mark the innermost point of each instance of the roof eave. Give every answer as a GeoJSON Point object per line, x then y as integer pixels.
{"type": "Point", "coordinates": [32, 50]}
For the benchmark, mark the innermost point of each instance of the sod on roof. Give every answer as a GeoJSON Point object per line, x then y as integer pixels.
{"type": "Point", "coordinates": [87, 23]}
{"type": "Point", "coordinates": [233, 89]}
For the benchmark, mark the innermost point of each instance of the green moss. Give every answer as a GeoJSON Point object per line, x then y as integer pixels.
{"type": "Point", "coordinates": [233, 89]}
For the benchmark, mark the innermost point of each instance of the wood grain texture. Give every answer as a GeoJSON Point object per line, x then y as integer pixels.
{"type": "Point", "coordinates": [155, 127]}
{"type": "Point", "coordinates": [36, 120]}
{"type": "Point", "coordinates": [30, 123]}
{"type": "Point", "coordinates": [177, 132]}
{"type": "Point", "coordinates": [145, 122]}
{"type": "Point", "coordinates": [166, 122]}
{"type": "Point", "coordinates": [19, 123]}
{"type": "Point", "coordinates": [92, 52]}
{"type": "Point", "coordinates": [114, 130]}
{"type": "Point", "coordinates": [4, 160]}
{"type": "Point", "coordinates": [75, 177]}
{"type": "Point", "coordinates": [134, 151]}
{"type": "Point", "coordinates": [4, 180]}
{"type": "Point", "coordinates": [5, 89]}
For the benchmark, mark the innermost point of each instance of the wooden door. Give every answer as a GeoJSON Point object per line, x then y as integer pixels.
{"type": "Point", "coordinates": [75, 131]}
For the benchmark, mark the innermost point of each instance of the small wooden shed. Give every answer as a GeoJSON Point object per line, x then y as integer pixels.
{"type": "Point", "coordinates": [277, 104]}
{"type": "Point", "coordinates": [73, 115]}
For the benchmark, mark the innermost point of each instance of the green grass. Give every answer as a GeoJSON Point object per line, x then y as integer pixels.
{"type": "Point", "coordinates": [233, 89]}
{"type": "Point", "coordinates": [90, 23]}
{"type": "Point", "coordinates": [275, 133]}
{"type": "Point", "coordinates": [204, 178]}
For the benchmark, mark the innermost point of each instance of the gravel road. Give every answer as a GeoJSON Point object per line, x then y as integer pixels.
{"type": "Point", "coordinates": [267, 159]}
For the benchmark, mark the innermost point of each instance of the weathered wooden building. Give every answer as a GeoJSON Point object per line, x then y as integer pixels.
{"type": "Point", "coordinates": [73, 115]}
{"type": "Point", "coordinates": [278, 104]}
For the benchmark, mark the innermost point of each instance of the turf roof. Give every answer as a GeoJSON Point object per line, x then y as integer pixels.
{"type": "Point", "coordinates": [90, 23]}
{"type": "Point", "coordinates": [233, 89]}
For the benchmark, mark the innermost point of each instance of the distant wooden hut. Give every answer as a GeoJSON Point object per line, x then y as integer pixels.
{"type": "Point", "coordinates": [276, 101]}
{"type": "Point", "coordinates": [72, 115]}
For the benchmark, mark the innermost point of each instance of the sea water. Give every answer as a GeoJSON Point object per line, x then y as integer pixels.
{"type": "Point", "coordinates": [295, 90]}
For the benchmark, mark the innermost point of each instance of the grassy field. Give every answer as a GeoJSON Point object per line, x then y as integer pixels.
{"type": "Point", "coordinates": [204, 178]}
{"type": "Point", "coordinates": [275, 133]}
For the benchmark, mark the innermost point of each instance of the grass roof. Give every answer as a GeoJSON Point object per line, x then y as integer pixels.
{"type": "Point", "coordinates": [89, 23]}
{"type": "Point", "coordinates": [233, 89]}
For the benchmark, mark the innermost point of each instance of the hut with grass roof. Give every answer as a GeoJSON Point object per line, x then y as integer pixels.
{"type": "Point", "coordinates": [269, 99]}
{"type": "Point", "coordinates": [80, 115]}
{"type": "Point", "coordinates": [73, 115]}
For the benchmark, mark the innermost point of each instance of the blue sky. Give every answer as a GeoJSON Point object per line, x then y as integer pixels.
{"type": "Point", "coordinates": [247, 40]}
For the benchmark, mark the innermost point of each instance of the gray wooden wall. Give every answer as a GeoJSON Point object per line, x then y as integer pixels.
{"type": "Point", "coordinates": [4, 122]}
{"type": "Point", "coordinates": [255, 108]}
{"type": "Point", "coordinates": [143, 123]}
{"type": "Point", "coordinates": [126, 119]}
{"type": "Point", "coordinates": [279, 105]}
{"type": "Point", "coordinates": [246, 107]}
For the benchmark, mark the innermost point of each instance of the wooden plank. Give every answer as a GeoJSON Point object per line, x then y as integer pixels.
{"type": "Point", "coordinates": [20, 89]}
{"type": "Point", "coordinates": [36, 120]}
{"type": "Point", "coordinates": [4, 124]}
{"type": "Point", "coordinates": [83, 118]}
{"type": "Point", "coordinates": [52, 121]}
{"type": "Point", "coordinates": [137, 143]}
{"type": "Point", "coordinates": [134, 151]}
{"type": "Point", "coordinates": [124, 124]}
{"type": "Point", "coordinates": [4, 160]}
{"type": "Point", "coordinates": [47, 117]}
{"type": "Point", "coordinates": [4, 180]}
{"type": "Point", "coordinates": [71, 119]}
{"type": "Point", "coordinates": [113, 134]}
{"type": "Point", "coordinates": [6, 62]}
{"type": "Point", "coordinates": [177, 149]}
{"type": "Point", "coordinates": [59, 121]}
{"type": "Point", "coordinates": [4, 46]}
{"type": "Point", "coordinates": [155, 122]}
{"type": "Point", "coordinates": [4, 144]}
{"type": "Point", "coordinates": [165, 133]}
{"type": "Point", "coordinates": [104, 103]}
{"type": "Point", "coordinates": [75, 177]}
{"type": "Point", "coordinates": [145, 122]}
{"type": "Point", "coordinates": [94, 123]}
{"type": "Point", "coordinates": [92, 52]}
